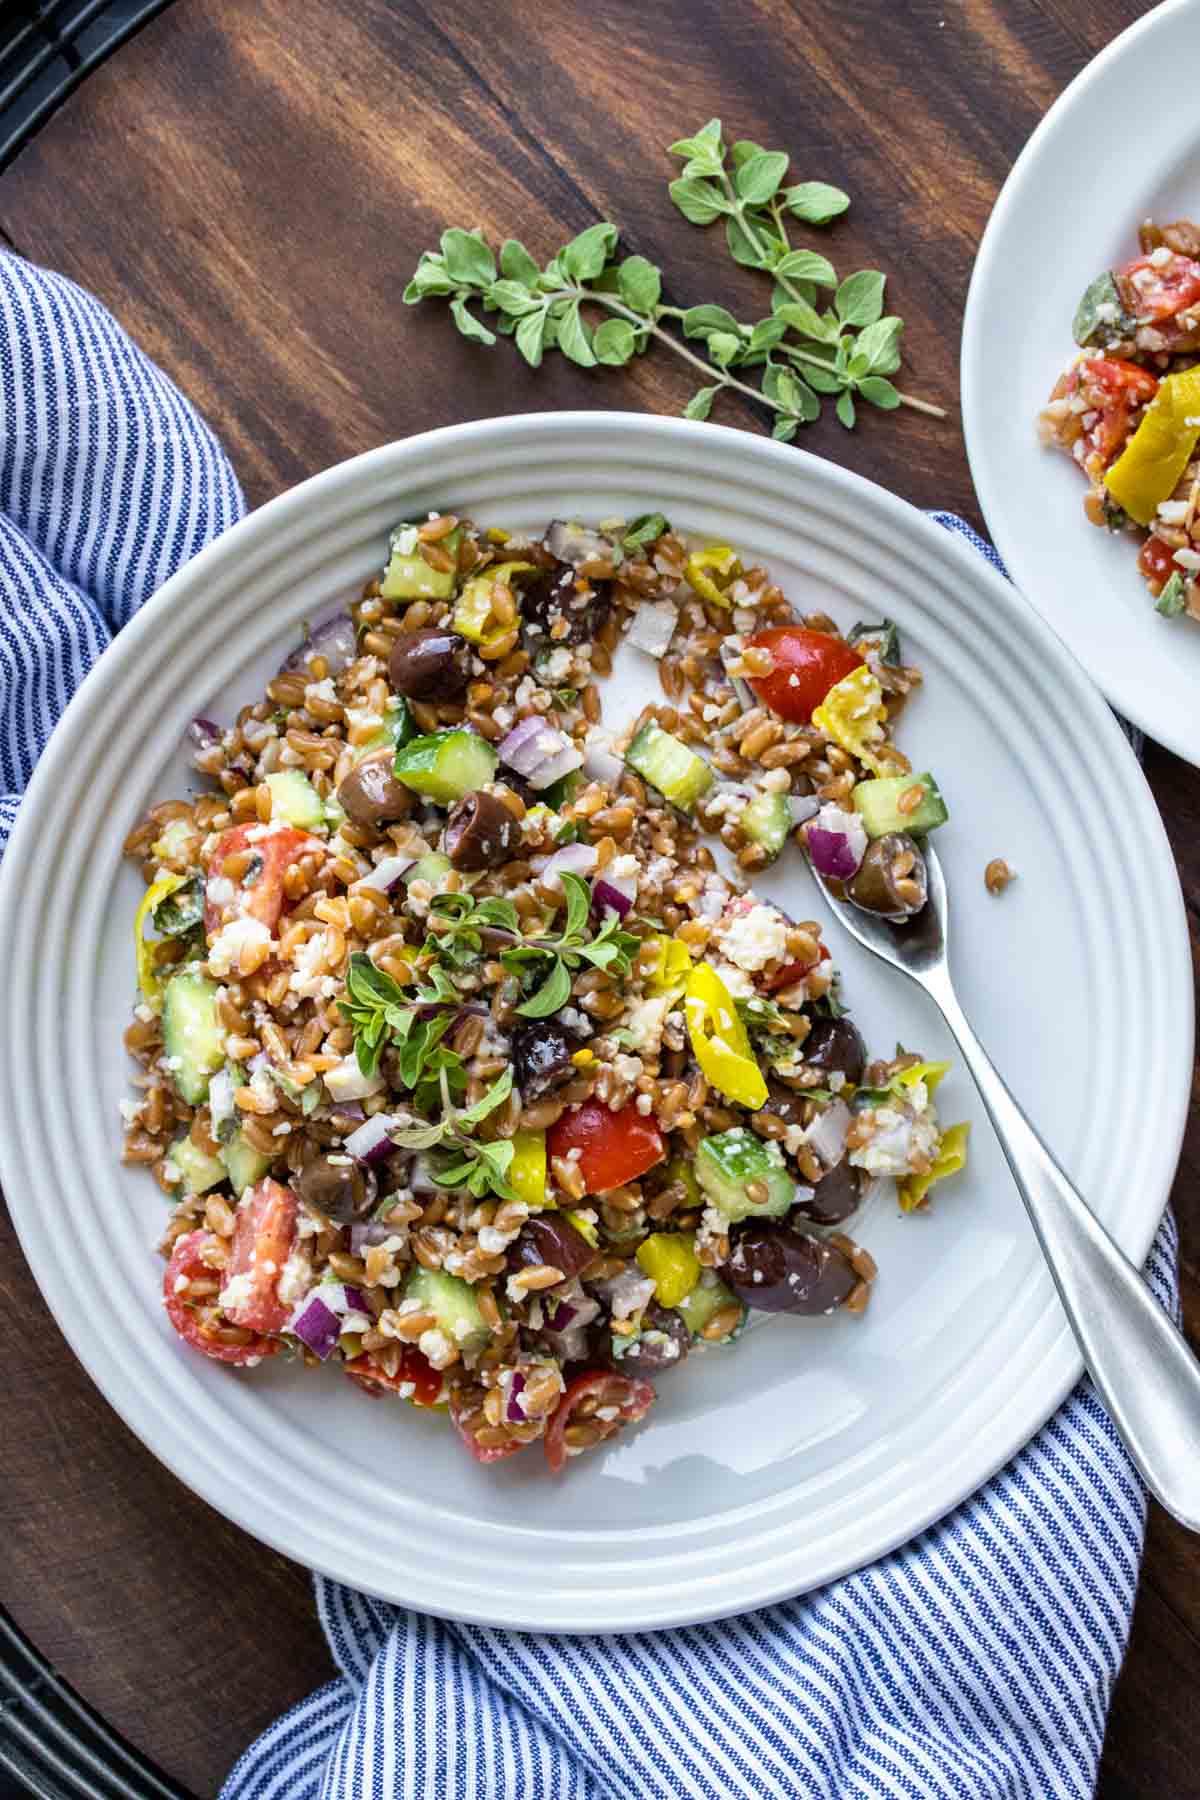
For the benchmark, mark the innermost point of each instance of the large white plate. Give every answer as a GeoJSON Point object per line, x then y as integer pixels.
{"type": "Point", "coordinates": [1071, 207]}
{"type": "Point", "coordinates": [814, 1445]}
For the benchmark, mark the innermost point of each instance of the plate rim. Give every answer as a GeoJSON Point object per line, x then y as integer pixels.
{"type": "Point", "coordinates": [260, 527]}
{"type": "Point", "coordinates": [1129, 699]}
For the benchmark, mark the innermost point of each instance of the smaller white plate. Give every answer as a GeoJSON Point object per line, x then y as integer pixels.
{"type": "Point", "coordinates": [1122, 144]}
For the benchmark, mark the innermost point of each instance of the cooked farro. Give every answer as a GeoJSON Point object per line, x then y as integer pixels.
{"type": "Point", "coordinates": [497, 1092]}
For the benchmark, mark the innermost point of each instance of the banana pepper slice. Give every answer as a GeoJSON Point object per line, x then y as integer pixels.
{"type": "Point", "coordinates": [672, 968]}
{"type": "Point", "coordinates": [473, 616]}
{"type": "Point", "coordinates": [722, 561]}
{"type": "Point", "coordinates": [527, 1170]}
{"type": "Point", "coordinates": [951, 1157]}
{"type": "Point", "coordinates": [852, 715]}
{"type": "Point", "coordinates": [719, 1040]}
{"type": "Point", "coordinates": [1148, 469]}
{"type": "Point", "coordinates": [147, 948]}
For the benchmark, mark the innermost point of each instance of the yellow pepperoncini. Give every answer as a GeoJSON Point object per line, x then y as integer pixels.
{"type": "Point", "coordinates": [669, 1259]}
{"type": "Point", "coordinates": [586, 1229]}
{"type": "Point", "coordinates": [719, 1039]}
{"type": "Point", "coordinates": [527, 1170]}
{"type": "Point", "coordinates": [147, 948]}
{"type": "Point", "coordinates": [929, 1073]}
{"type": "Point", "coordinates": [951, 1157]}
{"type": "Point", "coordinates": [672, 968]}
{"type": "Point", "coordinates": [473, 617]}
{"type": "Point", "coordinates": [1148, 469]}
{"type": "Point", "coordinates": [852, 715]}
{"type": "Point", "coordinates": [723, 561]}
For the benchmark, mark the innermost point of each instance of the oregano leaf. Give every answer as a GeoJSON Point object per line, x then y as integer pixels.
{"type": "Point", "coordinates": [698, 201]}
{"type": "Point", "coordinates": [806, 265]}
{"type": "Point", "coordinates": [879, 392]}
{"type": "Point", "coordinates": [614, 342]}
{"type": "Point", "coordinates": [516, 264]}
{"type": "Point", "coordinates": [639, 284]}
{"type": "Point", "coordinates": [816, 202]}
{"type": "Point", "coordinates": [700, 404]}
{"type": "Point", "coordinates": [758, 177]}
{"type": "Point", "coordinates": [845, 409]}
{"type": "Point", "coordinates": [585, 256]}
{"type": "Point", "coordinates": [859, 300]}
{"type": "Point", "coordinates": [573, 337]}
{"type": "Point", "coordinates": [468, 258]}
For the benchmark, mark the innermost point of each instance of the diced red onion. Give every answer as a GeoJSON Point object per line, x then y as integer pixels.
{"type": "Point", "coordinates": [372, 1141]}
{"type": "Point", "coordinates": [334, 638]}
{"type": "Point", "coordinates": [609, 893]}
{"type": "Point", "coordinates": [572, 859]}
{"type": "Point", "coordinates": [570, 1315]}
{"type": "Point", "coordinates": [539, 751]}
{"type": "Point", "coordinates": [600, 763]}
{"type": "Point", "coordinates": [316, 1325]}
{"type": "Point", "coordinates": [351, 1109]}
{"type": "Point", "coordinates": [389, 874]}
{"type": "Point", "coordinates": [626, 1294]}
{"type": "Point", "coordinates": [367, 1233]}
{"type": "Point", "coordinates": [653, 627]}
{"type": "Point", "coordinates": [803, 807]}
{"type": "Point", "coordinates": [204, 732]}
{"type": "Point", "coordinates": [826, 1136]}
{"type": "Point", "coordinates": [512, 1410]}
{"type": "Point", "coordinates": [573, 543]}
{"type": "Point", "coordinates": [221, 1104]}
{"type": "Point", "coordinates": [832, 854]}
{"type": "Point", "coordinates": [347, 1081]}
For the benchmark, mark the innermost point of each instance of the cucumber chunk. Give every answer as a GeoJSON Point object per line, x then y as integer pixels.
{"type": "Point", "coordinates": [726, 1164]}
{"type": "Point", "coordinates": [446, 765]}
{"type": "Point", "coordinates": [431, 868]}
{"type": "Point", "coordinates": [668, 765]}
{"type": "Point", "coordinates": [452, 1303]}
{"type": "Point", "coordinates": [193, 1035]}
{"type": "Point", "coordinates": [244, 1164]}
{"type": "Point", "coordinates": [197, 1170]}
{"type": "Point", "coordinates": [709, 1297]}
{"type": "Point", "coordinates": [768, 821]}
{"type": "Point", "coordinates": [408, 576]}
{"type": "Point", "coordinates": [295, 800]}
{"type": "Point", "coordinates": [877, 804]}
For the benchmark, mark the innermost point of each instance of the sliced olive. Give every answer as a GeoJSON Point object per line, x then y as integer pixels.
{"type": "Point", "coordinates": [892, 879]}
{"type": "Point", "coordinates": [334, 1186]}
{"type": "Point", "coordinates": [555, 599]}
{"type": "Point", "coordinates": [371, 794]}
{"type": "Point", "coordinates": [541, 1057]}
{"type": "Point", "coordinates": [481, 832]}
{"type": "Point", "coordinates": [838, 1193]}
{"type": "Point", "coordinates": [430, 664]}
{"type": "Point", "coordinates": [555, 1242]}
{"type": "Point", "coordinates": [775, 1269]}
{"type": "Point", "coordinates": [662, 1343]}
{"type": "Point", "coordinates": [835, 1046]}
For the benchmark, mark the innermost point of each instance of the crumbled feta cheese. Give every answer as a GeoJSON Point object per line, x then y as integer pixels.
{"type": "Point", "coordinates": [555, 665]}
{"type": "Point", "coordinates": [237, 1291]}
{"type": "Point", "coordinates": [645, 1024]}
{"type": "Point", "coordinates": [437, 1349]}
{"type": "Point", "coordinates": [220, 891]}
{"type": "Point", "coordinates": [130, 1110]}
{"type": "Point", "coordinates": [295, 1278]}
{"type": "Point", "coordinates": [1160, 257]}
{"type": "Point", "coordinates": [321, 691]}
{"type": "Point", "coordinates": [240, 934]}
{"type": "Point", "coordinates": [1173, 512]}
{"type": "Point", "coordinates": [1187, 559]}
{"type": "Point", "coordinates": [753, 938]}
{"type": "Point", "coordinates": [308, 965]}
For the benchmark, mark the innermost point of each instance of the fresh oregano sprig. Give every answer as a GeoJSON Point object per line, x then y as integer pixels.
{"type": "Point", "coordinates": [848, 349]}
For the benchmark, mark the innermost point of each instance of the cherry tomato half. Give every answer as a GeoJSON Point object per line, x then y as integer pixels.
{"type": "Point", "coordinates": [1156, 561]}
{"type": "Point", "coordinates": [807, 664]}
{"type": "Point", "coordinates": [631, 1398]}
{"type": "Point", "coordinates": [413, 1368]}
{"type": "Point", "coordinates": [1159, 291]}
{"type": "Point", "coordinates": [263, 898]}
{"type": "Point", "coordinates": [262, 1242]}
{"type": "Point", "coordinates": [482, 1454]}
{"type": "Point", "coordinates": [616, 1146]}
{"type": "Point", "coordinates": [794, 971]}
{"type": "Point", "coordinates": [1113, 388]}
{"type": "Point", "coordinates": [198, 1322]}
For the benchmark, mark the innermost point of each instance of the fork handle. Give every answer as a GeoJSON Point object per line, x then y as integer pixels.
{"type": "Point", "coordinates": [1142, 1366]}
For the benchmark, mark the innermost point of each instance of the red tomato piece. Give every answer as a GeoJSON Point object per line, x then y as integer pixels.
{"type": "Point", "coordinates": [263, 897]}
{"type": "Point", "coordinates": [1156, 561]}
{"type": "Point", "coordinates": [807, 664]}
{"type": "Point", "coordinates": [1159, 291]}
{"type": "Point", "coordinates": [414, 1369]}
{"type": "Point", "coordinates": [794, 971]}
{"type": "Point", "coordinates": [482, 1453]}
{"type": "Point", "coordinates": [198, 1322]}
{"type": "Point", "coordinates": [262, 1242]}
{"type": "Point", "coordinates": [1114, 389]}
{"type": "Point", "coordinates": [616, 1146]}
{"type": "Point", "coordinates": [632, 1399]}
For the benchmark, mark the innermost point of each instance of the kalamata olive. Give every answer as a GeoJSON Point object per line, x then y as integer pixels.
{"type": "Point", "coordinates": [546, 1239]}
{"type": "Point", "coordinates": [336, 1188]}
{"type": "Point", "coordinates": [555, 596]}
{"type": "Point", "coordinates": [836, 1046]}
{"type": "Point", "coordinates": [838, 1193]}
{"type": "Point", "coordinates": [662, 1344]}
{"type": "Point", "coordinates": [891, 879]}
{"type": "Point", "coordinates": [371, 794]}
{"type": "Point", "coordinates": [541, 1058]}
{"type": "Point", "coordinates": [481, 832]}
{"type": "Point", "coordinates": [430, 664]}
{"type": "Point", "coordinates": [775, 1269]}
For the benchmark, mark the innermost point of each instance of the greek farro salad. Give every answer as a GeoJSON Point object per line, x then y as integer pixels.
{"type": "Point", "coordinates": [1128, 408]}
{"type": "Point", "coordinates": [463, 1065]}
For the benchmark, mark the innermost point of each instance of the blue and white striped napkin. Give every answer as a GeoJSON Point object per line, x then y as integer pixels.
{"type": "Point", "coordinates": [977, 1662]}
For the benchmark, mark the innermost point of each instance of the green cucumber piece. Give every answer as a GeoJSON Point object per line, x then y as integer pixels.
{"type": "Point", "coordinates": [408, 576]}
{"type": "Point", "coordinates": [726, 1164]}
{"type": "Point", "coordinates": [668, 765]}
{"type": "Point", "coordinates": [431, 868]}
{"type": "Point", "coordinates": [877, 804]}
{"type": "Point", "coordinates": [708, 1297]}
{"type": "Point", "coordinates": [295, 800]}
{"type": "Point", "coordinates": [768, 821]}
{"type": "Point", "coordinates": [244, 1164]}
{"type": "Point", "coordinates": [446, 765]}
{"type": "Point", "coordinates": [193, 1035]}
{"type": "Point", "coordinates": [197, 1170]}
{"type": "Point", "coordinates": [453, 1304]}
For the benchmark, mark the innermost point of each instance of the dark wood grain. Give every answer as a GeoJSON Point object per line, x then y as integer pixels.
{"type": "Point", "coordinates": [248, 186]}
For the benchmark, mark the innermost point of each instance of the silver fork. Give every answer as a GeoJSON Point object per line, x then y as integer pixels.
{"type": "Point", "coordinates": [1142, 1366]}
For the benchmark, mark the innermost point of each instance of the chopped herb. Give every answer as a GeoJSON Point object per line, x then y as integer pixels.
{"type": "Point", "coordinates": [180, 913]}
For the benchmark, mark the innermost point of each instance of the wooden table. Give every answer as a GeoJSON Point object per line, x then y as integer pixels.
{"type": "Point", "coordinates": [248, 186]}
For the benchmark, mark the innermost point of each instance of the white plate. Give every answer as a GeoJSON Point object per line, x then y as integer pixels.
{"type": "Point", "coordinates": [1070, 208]}
{"type": "Point", "coordinates": [814, 1445]}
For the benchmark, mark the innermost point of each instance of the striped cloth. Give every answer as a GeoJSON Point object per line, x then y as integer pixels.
{"type": "Point", "coordinates": [976, 1662]}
